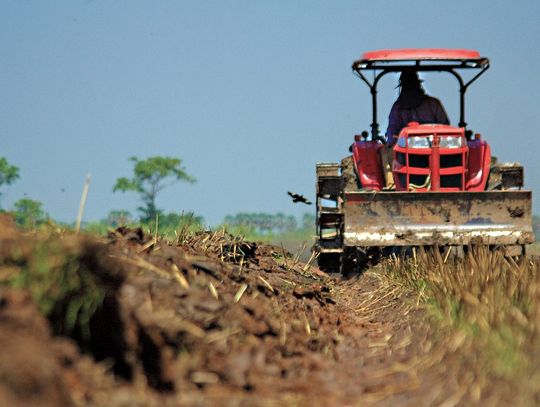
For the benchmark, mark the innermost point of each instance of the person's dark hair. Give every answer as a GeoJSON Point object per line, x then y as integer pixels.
{"type": "Point", "coordinates": [409, 80]}
{"type": "Point", "coordinates": [411, 94]}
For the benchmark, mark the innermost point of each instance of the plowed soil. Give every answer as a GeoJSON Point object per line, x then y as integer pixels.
{"type": "Point", "coordinates": [209, 320]}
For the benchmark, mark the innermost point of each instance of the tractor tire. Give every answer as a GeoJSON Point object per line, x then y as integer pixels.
{"type": "Point", "coordinates": [356, 260]}
{"type": "Point", "coordinates": [329, 262]}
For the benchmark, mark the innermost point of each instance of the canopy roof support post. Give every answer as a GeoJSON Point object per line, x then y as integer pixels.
{"type": "Point", "coordinates": [374, 123]}
{"type": "Point", "coordinates": [462, 90]}
{"type": "Point", "coordinates": [373, 90]}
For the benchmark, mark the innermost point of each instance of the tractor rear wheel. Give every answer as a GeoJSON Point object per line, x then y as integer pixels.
{"type": "Point", "coordinates": [329, 262]}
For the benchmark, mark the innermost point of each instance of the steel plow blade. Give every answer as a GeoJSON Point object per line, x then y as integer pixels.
{"type": "Point", "coordinates": [443, 218]}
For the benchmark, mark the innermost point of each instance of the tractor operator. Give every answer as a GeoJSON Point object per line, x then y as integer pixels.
{"type": "Point", "coordinates": [413, 105]}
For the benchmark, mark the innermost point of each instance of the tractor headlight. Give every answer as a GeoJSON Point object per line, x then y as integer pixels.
{"type": "Point", "coordinates": [419, 142]}
{"type": "Point", "coordinates": [450, 142]}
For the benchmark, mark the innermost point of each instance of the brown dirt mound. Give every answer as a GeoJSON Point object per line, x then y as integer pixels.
{"type": "Point", "coordinates": [210, 319]}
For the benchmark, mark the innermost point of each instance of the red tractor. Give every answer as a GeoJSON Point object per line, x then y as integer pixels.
{"type": "Point", "coordinates": [441, 188]}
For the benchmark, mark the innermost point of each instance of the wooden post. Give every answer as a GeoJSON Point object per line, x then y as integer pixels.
{"type": "Point", "coordinates": [83, 202]}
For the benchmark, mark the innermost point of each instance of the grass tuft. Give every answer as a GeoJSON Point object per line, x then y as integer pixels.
{"type": "Point", "coordinates": [59, 281]}
{"type": "Point", "coordinates": [491, 299]}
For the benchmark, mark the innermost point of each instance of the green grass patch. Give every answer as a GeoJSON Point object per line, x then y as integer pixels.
{"type": "Point", "coordinates": [59, 280]}
{"type": "Point", "coordinates": [492, 299]}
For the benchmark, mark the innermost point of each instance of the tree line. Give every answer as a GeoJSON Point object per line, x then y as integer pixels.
{"type": "Point", "coordinates": [27, 212]}
{"type": "Point", "coordinates": [150, 177]}
{"type": "Point", "coordinates": [265, 223]}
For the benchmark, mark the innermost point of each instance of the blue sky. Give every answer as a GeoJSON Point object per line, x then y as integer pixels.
{"type": "Point", "coordinates": [250, 94]}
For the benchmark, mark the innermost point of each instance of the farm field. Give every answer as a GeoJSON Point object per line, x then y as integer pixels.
{"type": "Point", "coordinates": [211, 319]}
{"type": "Point", "coordinates": [269, 204]}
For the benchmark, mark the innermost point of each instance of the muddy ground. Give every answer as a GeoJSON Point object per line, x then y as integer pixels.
{"type": "Point", "coordinates": [207, 320]}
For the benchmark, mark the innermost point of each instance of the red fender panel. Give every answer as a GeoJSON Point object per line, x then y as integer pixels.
{"type": "Point", "coordinates": [478, 165]}
{"type": "Point", "coordinates": [368, 162]}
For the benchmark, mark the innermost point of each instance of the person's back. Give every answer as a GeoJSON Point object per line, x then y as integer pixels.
{"type": "Point", "coordinates": [413, 105]}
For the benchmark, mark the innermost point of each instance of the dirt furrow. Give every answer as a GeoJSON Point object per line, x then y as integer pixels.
{"type": "Point", "coordinates": [211, 320]}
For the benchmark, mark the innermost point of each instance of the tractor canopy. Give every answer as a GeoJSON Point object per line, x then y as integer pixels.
{"type": "Point", "coordinates": [461, 57]}
{"type": "Point", "coordinates": [382, 62]}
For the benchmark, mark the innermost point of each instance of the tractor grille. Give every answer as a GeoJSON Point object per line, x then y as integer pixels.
{"type": "Point", "coordinates": [451, 160]}
{"type": "Point", "coordinates": [418, 160]}
{"type": "Point", "coordinates": [422, 160]}
{"type": "Point", "coordinates": [430, 166]}
{"type": "Point", "coordinates": [451, 181]}
{"type": "Point", "coordinates": [401, 158]}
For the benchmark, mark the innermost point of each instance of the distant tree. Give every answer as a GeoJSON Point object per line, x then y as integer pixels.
{"type": "Point", "coordinates": [150, 177]}
{"type": "Point", "coordinates": [308, 221]}
{"type": "Point", "coordinates": [118, 218]}
{"type": "Point", "coordinates": [176, 221]}
{"type": "Point", "coordinates": [284, 223]}
{"type": "Point", "coordinates": [29, 213]}
{"type": "Point", "coordinates": [8, 173]}
{"type": "Point", "coordinates": [262, 222]}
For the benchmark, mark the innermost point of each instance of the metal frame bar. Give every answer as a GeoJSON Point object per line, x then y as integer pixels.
{"type": "Point", "coordinates": [386, 68]}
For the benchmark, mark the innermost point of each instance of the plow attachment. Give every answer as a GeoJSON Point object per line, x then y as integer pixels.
{"type": "Point", "coordinates": [437, 218]}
